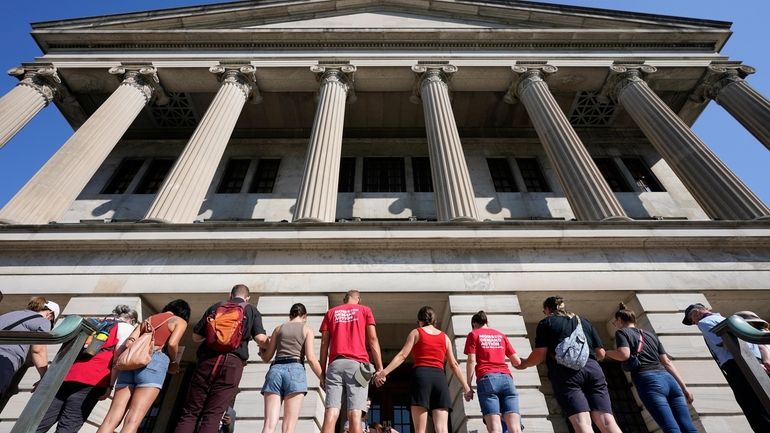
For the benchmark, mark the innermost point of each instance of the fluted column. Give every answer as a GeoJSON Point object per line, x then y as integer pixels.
{"type": "Point", "coordinates": [717, 189]}
{"type": "Point", "coordinates": [57, 184]}
{"type": "Point", "coordinates": [588, 194]}
{"type": "Point", "coordinates": [37, 87]}
{"type": "Point", "coordinates": [317, 198]}
{"type": "Point", "coordinates": [185, 187]}
{"type": "Point", "coordinates": [455, 200]}
{"type": "Point", "coordinates": [726, 85]}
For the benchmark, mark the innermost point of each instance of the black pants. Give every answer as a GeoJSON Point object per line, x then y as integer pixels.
{"type": "Point", "coordinates": [7, 371]}
{"type": "Point", "coordinates": [755, 413]}
{"type": "Point", "coordinates": [71, 407]}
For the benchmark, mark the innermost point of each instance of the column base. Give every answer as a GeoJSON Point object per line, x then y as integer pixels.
{"type": "Point", "coordinates": [617, 218]}
{"type": "Point", "coordinates": [310, 220]}
{"type": "Point", "coordinates": [155, 221]}
{"type": "Point", "coordinates": [463, 219]}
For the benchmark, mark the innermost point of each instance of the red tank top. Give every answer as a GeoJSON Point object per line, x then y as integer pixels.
{"type": "Point", "coordinates": [162, 334]}
{"type": "Point", "coordinates": [430, 350]}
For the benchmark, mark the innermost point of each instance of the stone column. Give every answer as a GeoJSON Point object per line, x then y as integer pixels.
{"type": "Point", "coordinates": [715, 406]}
{"type": "Point", "coordinates": [317, 198]}
{"type": "Point", "coordinates": [57, 184]}
{"type": "Point", "coordinates": [717, 189]}
{"type": "Point", "coordinates": [180, 197]}
{"type": "Point", "coordinates": [726, 85]}
{"type": "Point", "coordinates": [589, 196]}
{"type": "Point", "coordinates": [455, 200]}
{"type": "Point", "coordinates": [504, 314]}
{"type": "Point", "coordinates": [38, 86]}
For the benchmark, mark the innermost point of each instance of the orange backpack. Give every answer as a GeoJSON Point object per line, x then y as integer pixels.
{"type": "Point", "coordinates": [224, 326]}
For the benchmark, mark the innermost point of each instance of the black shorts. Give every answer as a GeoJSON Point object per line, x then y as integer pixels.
{"type": "Point", "coordinates": [429, 389]}
{"type": "Point", "coordinates": [583, 390]}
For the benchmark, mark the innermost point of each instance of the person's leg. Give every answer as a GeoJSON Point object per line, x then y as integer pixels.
{"type": "Point", "coordinates": [679, 407]}
{"type": "Point", "coordinates": [331, 415]}
{"type": "Point", "coordinates": [117, 410]}
{"type": "Point", "coordinates": [77, 408]}
{"type": "Point", "coordinates": [581, 422]}
{"type": "Point", "coordinates": [513, 421]}
{"type": "Point", "coordinates": [138, 407]}
{"type": "Point", "coordinates": [333, 402]}
{"type": "Point", "coordinates": [222, 389]}
{"type": "Point", "coordinates": [598, 397]}
{"type": "Point", "coordinates": [493, 423]}
{"type": "Point", "coordinates": [272, 412]}
{"type": "Point", "coordinates": [605, 421]}
{"type": "Point", "coordinates": [440, 420]}
{"type": "Point", "coordinates": [653, 390]}
{"type": "Point", "coordinates": [755, 413]}
{"type": "Point", "coordinates": [196, 397]}
{"type": "Point", "coordinates": [419, 418]}
{"type": "Point", "coordinates": [54, 410]}
{"type": "Point", "coordinates": [354, 421]}
{"type": "Point", "coordinates": [292, 404]}
{"type": "Point", "coordinates": [509, 404]}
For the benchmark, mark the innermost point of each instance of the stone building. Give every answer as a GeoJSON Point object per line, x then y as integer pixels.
{"type": "Point", "coordinates": [459, 153]}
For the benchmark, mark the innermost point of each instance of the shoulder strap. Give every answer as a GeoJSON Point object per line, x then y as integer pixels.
{"type": "Point", "coordinates": [641, 342]}
{"type": "Point", "coordinates": [19, 322]}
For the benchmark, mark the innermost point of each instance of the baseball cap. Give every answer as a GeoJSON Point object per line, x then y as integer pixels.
{"type": "Point", "coordinates": [364, 373]}
{"type": "Point", "coordinates": [54, 307]}
{"type": "Point", "coordinates": [686, 320]}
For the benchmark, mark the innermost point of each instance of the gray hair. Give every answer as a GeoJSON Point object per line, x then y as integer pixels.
{"type": "Point", "coordinates": [126, 314]}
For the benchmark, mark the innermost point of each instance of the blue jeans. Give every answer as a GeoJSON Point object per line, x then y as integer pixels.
{"type": "Point", "coordinates": [665, 401]}
{"type": "Point", "coordinates": [497, 394]}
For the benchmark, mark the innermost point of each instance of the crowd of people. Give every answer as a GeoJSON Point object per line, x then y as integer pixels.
{"type": "Point", "coordinates": [128, 361]}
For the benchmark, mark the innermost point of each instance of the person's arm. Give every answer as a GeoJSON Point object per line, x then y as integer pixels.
{"type": "Point", "coordinates": [764, 353]}
{"type": "Point", "coordinates": [669, 366]}
{"type": "Point", "coordinates": [257, 330]}
{"type": "Point", "coordinates": [470, 365]}
{"type": "Point", "coordinates": [324, 356]}
{"type": "Point", "coordinates": [177, 327]}
{"type": "Point", "coordinates": [399, 359]}
{"type": "Point", "coordinates": [623, 352]}
{"type": "Point", "coordinates": [536, 357]}
{"type": "Point", "coordinates": [39, 353]}
{"type": "Point", "coordinates": [454, 366]}
{"type": "Point", "coordinates": [515, 360]}
{"type": "Point", "coordinates": [268, 353]}
{"type": "Point", "coordinates": [374, 345]}
{"type": "Point", "coordinates": [310, 352]}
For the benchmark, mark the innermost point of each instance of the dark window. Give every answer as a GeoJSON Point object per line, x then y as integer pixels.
{"type": "Point", "coordinates": [154, 176]}
{"type": "Point", "coordinates": [123, 176]}
{"type": "Point", "coordinates": [624, 406]}
{"type": "Point", "coordinates": [402, 418]}
{"type": "Point", "coordinates": [421, 174]}
{"type": "Point", "coordinates": [235, 174]}
{"type": "Point", "coordinates": [532, 174]}
{"type": "Point", "coordinates": [384, 175]}
{"type": "Point", "coordinates": [347, 181]}
{"type": "Point", "coordinates": [612, 175]}
{"type": "Point", "coordinates": [644, 178]}
{"type": "Point", "coordinates": [264, 178]}
{"type": "Point", "coordinates": [502, 176]}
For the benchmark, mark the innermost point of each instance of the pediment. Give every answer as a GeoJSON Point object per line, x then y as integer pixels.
{"type": "Point", "coordinates": [381, 20]}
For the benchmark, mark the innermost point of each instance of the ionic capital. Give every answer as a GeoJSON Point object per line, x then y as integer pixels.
{"type": "Point", "coordinates": [524, 76]}
{"type": "Point", "coordinates": [717, 77]}
{"type": "Point", "coordinates": [430, 73]}
{"type": "Point", "coordinates": [44, 79]}
{"type": "Point", "coordinates": [342, 74]}
{"type": "Point", "coordinates": [244, 77]}
{"type": "Point", "coordinates": [143, 78]}
{"type": "Point", "coordinates": [621, 76]}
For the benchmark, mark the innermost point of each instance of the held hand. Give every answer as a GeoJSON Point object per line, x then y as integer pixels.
{"type": "Point", "coordinates": [322, 381]}
{"type": "Point", "coordinates": [522, 365]}
{"type": "Point", "coordinates": [379, 378]}
{"type": "Point", "coordinates": [468, 395]}
{"type": "Point", "coordinates": [173, 368]}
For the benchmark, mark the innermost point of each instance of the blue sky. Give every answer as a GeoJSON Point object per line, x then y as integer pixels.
{"type": "Point", "coordinates": [750, 43]}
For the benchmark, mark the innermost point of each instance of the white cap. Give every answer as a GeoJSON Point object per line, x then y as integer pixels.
{"type": "Point", "coordinates": [54, 307]}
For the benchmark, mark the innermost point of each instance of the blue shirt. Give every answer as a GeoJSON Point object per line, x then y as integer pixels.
{"type": "Point", "coordinates": [715, 342]}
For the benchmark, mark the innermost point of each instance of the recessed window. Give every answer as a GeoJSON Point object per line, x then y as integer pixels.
{"type": "Point", "coordinates": [421, 174]}
{"type": "Point", "coordinates": [502, 176]}
{"type": "Point", "coordinates": [645, 180]}
{"type": "Point", "coordinates": [123, 176]}
{"type": "Point", "coordinates": [532, 174]}
{"type": "Point", "coordinates": [234, 176]}
{"type": "Point", "coordinates": [154, 176]}
{"type": "Point", "coordinates": [264, 178]}
{"type": "Point", "coordinates": [612, 175]}
{"type": "Point", "coordinates": [347, 180]}
{"type": "Point", "coordinates": [384, 175]}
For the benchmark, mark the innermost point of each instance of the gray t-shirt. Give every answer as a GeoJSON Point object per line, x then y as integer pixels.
{"type": "Point", "coordinates": [17, 353]}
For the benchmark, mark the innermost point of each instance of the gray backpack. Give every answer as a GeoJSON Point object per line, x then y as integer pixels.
{"type": "Point", "coordinates": [572, 352]}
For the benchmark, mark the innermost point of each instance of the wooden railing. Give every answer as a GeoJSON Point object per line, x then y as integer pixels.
{"type": "Point", "coordinates": [735, 332]}
{"type": "Point", "coordinates": [71, 333]}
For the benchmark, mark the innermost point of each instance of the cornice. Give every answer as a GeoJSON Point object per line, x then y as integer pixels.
{"type": "Point", "coordinates": [390, 236]}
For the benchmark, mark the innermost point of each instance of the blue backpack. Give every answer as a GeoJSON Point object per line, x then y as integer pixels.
{"type": "Point", "coordinates": [572, 352]}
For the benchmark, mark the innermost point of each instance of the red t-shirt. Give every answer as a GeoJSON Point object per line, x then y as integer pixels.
{"type": "Point", "coordinates": [346, 325]}
{"type": "Point", "coordinates": [430, 350]}
{"type": "Point", "coordinates": [491, 348]}
{"type": "Point", "coordinates": [95, 371]}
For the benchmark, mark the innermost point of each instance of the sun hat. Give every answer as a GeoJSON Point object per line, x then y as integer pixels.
{"type": "Point", "coordinates": [752, 318]}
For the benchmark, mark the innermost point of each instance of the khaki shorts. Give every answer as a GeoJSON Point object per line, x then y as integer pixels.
{"type": "Point", "coordinates": [339, 380]}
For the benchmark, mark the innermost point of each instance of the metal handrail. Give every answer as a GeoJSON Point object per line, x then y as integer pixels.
{"type": "Point", "coordinates": [735, 332]}
{"type": "Point", "coordinates": [71, 333]}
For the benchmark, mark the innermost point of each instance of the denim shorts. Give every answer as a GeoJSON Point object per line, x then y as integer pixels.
{"type": "Point", "coordinates": [497, 394]}
{"type": "Point", "coordinates": [151, 376]}
{"type": "Point", "coordinates": [285, 379]}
